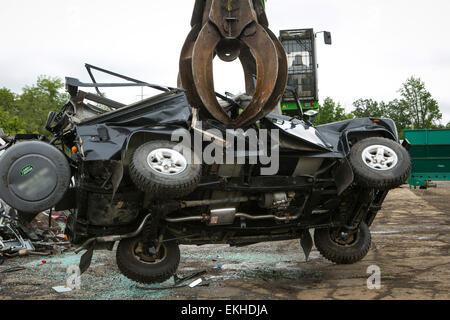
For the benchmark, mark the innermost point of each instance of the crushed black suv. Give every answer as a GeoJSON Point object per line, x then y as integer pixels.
{"type": "Point", "coordinates": [118, 171]}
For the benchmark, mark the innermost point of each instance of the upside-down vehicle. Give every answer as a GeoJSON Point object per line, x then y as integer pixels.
{"type": "Point", "coordinates": [124, 178]}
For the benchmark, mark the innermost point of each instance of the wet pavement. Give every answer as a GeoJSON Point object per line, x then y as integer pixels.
{"type": "Point", "coordinates": [410, 245]}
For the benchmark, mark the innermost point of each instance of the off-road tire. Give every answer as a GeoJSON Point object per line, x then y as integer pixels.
{"type": "Point", "coordinates": [146, 273]}
{"type": "Point", "coordinates": [45, 195]}
{"type": "Point", "coordinates": [368, 177]}
{"type": "Point", "coordinates": [159, 184]}
{"type": "Point", "coordinates": [343, 254]}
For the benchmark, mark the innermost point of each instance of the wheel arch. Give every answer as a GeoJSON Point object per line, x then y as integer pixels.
{"type": "Point", "coordinates": [358, 135]}
{"type": "Point", "coordinates": [139, 137]}
{"type": "Point", "coordinates": [351, 137]}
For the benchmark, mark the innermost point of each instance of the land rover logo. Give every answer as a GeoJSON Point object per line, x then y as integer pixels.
{"type": "Point", "coordinates": [26, 170]}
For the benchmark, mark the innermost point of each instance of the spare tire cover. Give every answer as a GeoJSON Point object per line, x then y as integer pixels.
{"type": "Point", "coordinates": [34, 176]}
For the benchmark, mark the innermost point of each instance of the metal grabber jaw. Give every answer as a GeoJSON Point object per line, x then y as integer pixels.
{"type": "Point", "coordinates": [232, 29]}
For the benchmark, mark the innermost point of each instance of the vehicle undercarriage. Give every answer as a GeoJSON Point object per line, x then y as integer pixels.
{"type": "Point", "coordinates": [246, 176]}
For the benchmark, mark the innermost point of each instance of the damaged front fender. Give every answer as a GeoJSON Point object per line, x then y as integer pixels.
{"type": "Point", "coordinates": [106, 136]}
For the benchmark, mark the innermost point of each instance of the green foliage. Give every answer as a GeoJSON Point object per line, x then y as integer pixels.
{"type": "Point", "coordinates": [399, 113]}
{"type": "Point", "coordinates": [368, 108]}
{"type": "Point", "coordinates": [7, 98]}
{"type": "Point", "coordinates": [422, 108]}
{"type": "Point", "coordinates": [10, 124]}
{"type": "Point", "coordinates": [28, 111]}
{"type": "Point", "coordinates": [414, 109]}
{"type": "Point", "coordinates": [331, 111]}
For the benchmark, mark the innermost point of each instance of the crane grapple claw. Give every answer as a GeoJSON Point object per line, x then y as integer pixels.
{"type": "Point", "coordinates": [232, 29]}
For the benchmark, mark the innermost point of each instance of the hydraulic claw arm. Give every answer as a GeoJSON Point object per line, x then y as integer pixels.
{"type": "Point", "coordinates": [233, 29]}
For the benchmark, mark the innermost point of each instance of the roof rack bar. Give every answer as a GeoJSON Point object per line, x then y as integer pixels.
{"type": "Point", "coordinates": [144, 84]}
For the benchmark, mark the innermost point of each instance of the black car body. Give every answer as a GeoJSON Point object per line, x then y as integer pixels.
{"type": "Point", "coordinates": [316, 187]}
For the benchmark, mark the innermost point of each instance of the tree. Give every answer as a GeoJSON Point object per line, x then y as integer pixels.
{"type": "Point", "coordinates": [28, 111]}
{"type": "Point", "coordinates": [365, 108]}
{"type": "Point", "coordinates": [7, 98]}
{"type": "Point", "coordinates": [399, 113]}
{"type": "Point", "coordinates": [331, 112]}
{"type": "Point", "coordinates": [415, 109]}
{"type": "Point", "coordinates": [38, 100]}
{"type": "Point", "coordinates": [8, 104]}
{"type": "Point", "coordinates": [422, 109]}
{"type": "Point", "coordinates": [10, 124]}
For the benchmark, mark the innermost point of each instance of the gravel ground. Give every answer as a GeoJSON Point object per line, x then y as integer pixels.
{"type": "Point", "coordinates": [410, 245]}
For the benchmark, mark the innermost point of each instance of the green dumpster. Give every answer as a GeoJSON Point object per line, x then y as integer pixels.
{"type": "Point", "coordinates": [430, 155]}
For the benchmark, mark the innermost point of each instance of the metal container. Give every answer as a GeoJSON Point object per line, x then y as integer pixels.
{"type": "Point", "coordinates": [430, 154]}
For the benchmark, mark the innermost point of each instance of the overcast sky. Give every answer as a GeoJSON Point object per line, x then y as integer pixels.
{"type": "Point", "coordinates": [377, 44]}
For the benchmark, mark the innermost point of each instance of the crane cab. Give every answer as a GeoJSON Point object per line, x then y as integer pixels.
{"type": "Point", "coordinates": [300, 46]}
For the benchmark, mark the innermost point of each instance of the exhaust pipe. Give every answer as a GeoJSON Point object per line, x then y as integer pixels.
{"type": "Point", "coordinates": [186, 219]}
{"type": "Point", "coordinates": [244, 215]}
{"type": "Point", "coordinates": [86, 244]}
{"type": "Point", "coordinates": [237, 215]}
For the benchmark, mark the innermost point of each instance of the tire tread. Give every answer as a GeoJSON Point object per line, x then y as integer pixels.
{"type": "Point", "coordinates": [146, 181]}
{"type": "Point", "coordinates": [367, 179]}
{"type": "Point", "coordinates": [331, 252]}
{"type": "Point", "coordinates": [150, 276]}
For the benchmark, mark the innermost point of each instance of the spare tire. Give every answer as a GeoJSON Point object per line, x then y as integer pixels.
{"type": "Point", "coordinates": [380, 163]}
{"type": "Point", "coordinates": [161, 168]}
{"type": "Point", "coordinates": [34, 176]}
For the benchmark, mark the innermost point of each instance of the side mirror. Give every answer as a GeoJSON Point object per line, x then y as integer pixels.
{"type": "Point", "coordinates": [327, 37]}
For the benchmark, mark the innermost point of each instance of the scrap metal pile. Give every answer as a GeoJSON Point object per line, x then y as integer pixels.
{"type": "Point", "coordinates": [19, 238]}
{"type": "Point", "coordinates": [232, 29]}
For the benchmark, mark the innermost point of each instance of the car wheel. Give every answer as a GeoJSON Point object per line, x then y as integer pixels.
{"type": "Point", "coordinates": [35, 176]}
{"type": "Point", "coordinates": [343, 247]}
{"type": "Point", "coordinates": [141, 263]}
{"type": "Point", "coordinates": [380, 163]}
{"type": "Point", "coordinates": [161, 168]}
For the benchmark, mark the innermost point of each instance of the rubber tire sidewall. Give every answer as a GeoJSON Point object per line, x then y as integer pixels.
{"type": "Point", "coordinates": [63, 173]}
{"type": "Point", "coordinates": [343, 254]}
{"type": "Point", "coordinates": [160, 185]}
{"type": "Point", "coordinates": [380, 179]}
{"type": "Point", "coordinates": [144, 272]}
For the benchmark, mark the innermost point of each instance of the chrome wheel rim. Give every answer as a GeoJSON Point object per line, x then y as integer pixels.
{"type": "Point", "coordinates": [380, 157]}
{"type": "Point", "coordinates": [167, 161]}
